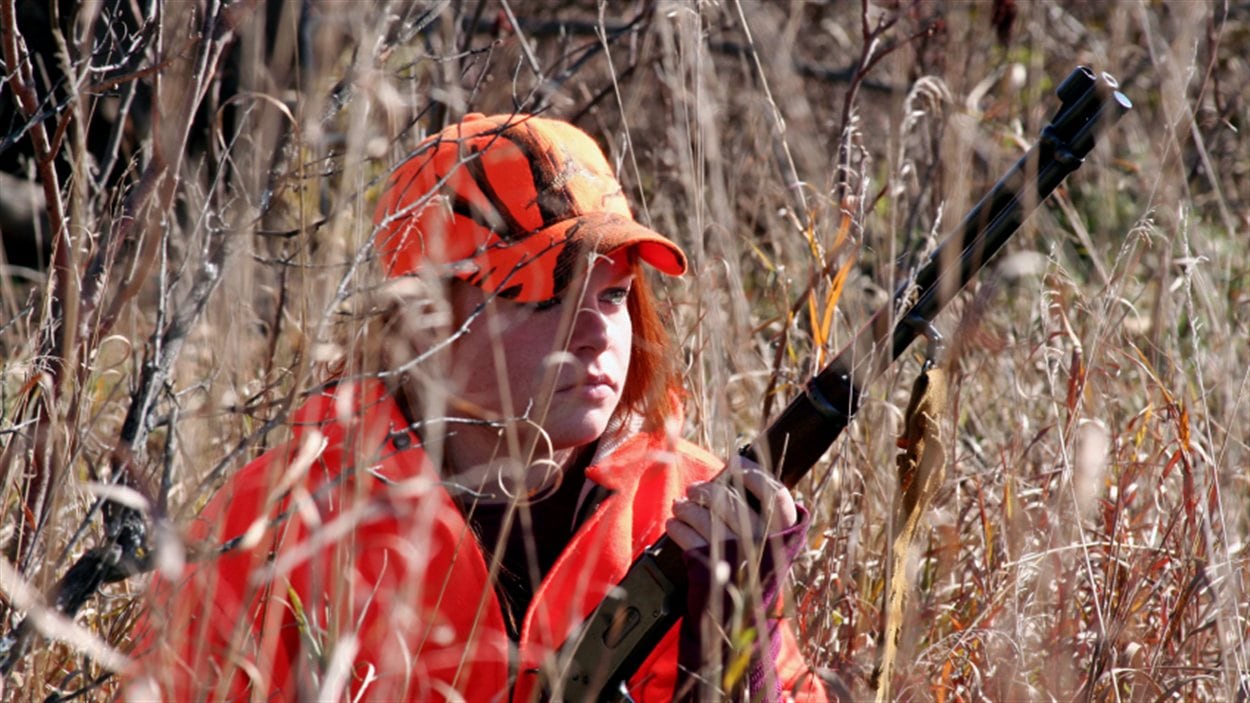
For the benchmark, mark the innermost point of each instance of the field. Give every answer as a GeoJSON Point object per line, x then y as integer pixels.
{"type": "Point", "coordinates": [195, 257]}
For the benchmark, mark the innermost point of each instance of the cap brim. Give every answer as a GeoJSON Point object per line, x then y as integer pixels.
{"type": "Point", "coordinates": [540, 265]}
{"type": "Point", "coordinates": [605, 233]}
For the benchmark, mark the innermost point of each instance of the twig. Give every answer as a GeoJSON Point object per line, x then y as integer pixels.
{"type": "Point", "coordinates": [794, 183]}
{"type": "Point", "coordinates": [40, 395]}
{"type": "Point", "coordinates": [871, 53]}
{"type": "Point", "coordinates": [526, 49]}
{"type": "Point", "coordinates": [49, 110]}
{"type": "Point", "coordinates": [21, 83]}
{"type": "Point", "coordinates": [588, 52]}
{"type": "Point", "coordinates": [125, 551]}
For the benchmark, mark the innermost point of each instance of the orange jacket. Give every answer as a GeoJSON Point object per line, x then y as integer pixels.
{"type": "Point", "coordinates": [373, 581]}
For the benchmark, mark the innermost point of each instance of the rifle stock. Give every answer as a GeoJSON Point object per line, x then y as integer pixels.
{"type": "Point", "coordinates": [597, 661]}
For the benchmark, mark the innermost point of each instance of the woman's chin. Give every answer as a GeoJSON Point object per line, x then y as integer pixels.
{"type": "Point", "coordinates": [577, 433]}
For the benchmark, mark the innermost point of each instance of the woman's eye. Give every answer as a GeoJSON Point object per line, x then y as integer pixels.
{"type": "Point", "coordinates": [616, 296]}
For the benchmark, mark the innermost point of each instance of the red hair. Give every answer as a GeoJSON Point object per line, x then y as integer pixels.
{"type": "Point", "coordinates": [653, 386]}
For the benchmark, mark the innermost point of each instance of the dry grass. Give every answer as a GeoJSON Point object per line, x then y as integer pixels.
{"type": "Point", "coordinates": [1090, 541]}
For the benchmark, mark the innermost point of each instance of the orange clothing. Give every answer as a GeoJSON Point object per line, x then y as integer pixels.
{"type": "Point", "coordinates": [374, 581]}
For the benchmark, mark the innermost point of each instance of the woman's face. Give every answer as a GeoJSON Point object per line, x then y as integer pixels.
{"type": "Point", "coordinates": [562, 365]}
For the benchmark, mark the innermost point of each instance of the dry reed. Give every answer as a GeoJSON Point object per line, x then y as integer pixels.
{"type": "Point", "coordinates": [1089, 542]}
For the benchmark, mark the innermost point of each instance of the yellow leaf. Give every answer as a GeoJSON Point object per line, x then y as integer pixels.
{"type": "Point", "coordinates": [844, 229]}
{"type": "Point", "coordinates": [835, 294]}
{"type": "Point", "coordinates": [813, 319]}
{"type": "Point", "coordinates": [743, 650]}
{"type": "Point", "coordinates": [1146, 415]}
{"type": "Point", "coordinates": [1183, 421]}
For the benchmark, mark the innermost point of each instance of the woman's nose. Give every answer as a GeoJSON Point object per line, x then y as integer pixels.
{"type": "Point", "coordinates": [590, 328]}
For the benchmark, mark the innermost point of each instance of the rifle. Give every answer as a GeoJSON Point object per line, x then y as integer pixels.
{"type": "Point", "coordinates": [600, 657]}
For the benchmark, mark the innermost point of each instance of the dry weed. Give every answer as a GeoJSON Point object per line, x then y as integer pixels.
{"type": "Point", "coordinates": [205, 177]}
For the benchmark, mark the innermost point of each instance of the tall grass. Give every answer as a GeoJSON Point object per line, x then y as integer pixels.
{"type": "Point", "coordinates": [1090, 541]}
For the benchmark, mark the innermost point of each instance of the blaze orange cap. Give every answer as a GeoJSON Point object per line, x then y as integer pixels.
{"type": "Point", "coordinates": [510, 203]}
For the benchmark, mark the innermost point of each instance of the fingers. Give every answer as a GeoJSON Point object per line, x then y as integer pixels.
{"type": "Point", "coordinates": [696, 525]}
{"type": "Point", "coordinates": [715, 511]}
{"type": "Point", "coordinates": [773, 499]}
{"type": "Point", "coordinates": [710, 513]}
{"type": "Point", "coordinates": [776, 504]}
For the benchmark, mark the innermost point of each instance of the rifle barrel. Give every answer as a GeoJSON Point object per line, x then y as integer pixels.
{"type": "Point", "coordinates": [794, 442]}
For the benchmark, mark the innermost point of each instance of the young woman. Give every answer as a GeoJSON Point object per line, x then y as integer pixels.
{"type": "Point", "coordinates": [438, 529]}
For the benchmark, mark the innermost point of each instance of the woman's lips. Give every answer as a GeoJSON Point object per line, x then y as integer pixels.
{"type": "Point", "coordinates": [595, 385]}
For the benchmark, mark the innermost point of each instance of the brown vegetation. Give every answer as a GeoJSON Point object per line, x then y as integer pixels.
{"type": "Point", "coordinates": [207, 175]}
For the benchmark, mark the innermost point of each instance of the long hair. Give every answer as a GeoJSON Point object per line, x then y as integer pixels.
{"type": "Point", "coordinates": [653, 389]}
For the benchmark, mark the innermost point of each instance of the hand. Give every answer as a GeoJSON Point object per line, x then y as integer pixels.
{"type": "Point", "coordinates": [717, 514]}
{"type": "Point", "coordinates": [716, 511]}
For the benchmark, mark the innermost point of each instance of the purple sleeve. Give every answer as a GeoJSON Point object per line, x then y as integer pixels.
{"type": "Point", "coordinates": [692, 649]}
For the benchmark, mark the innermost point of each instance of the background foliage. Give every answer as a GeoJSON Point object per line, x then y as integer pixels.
{"type": "Point", "coordinates": [187, 201]}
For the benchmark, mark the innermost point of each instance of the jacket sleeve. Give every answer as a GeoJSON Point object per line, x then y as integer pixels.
{"type": "Point", "coordinates": [212, 632]}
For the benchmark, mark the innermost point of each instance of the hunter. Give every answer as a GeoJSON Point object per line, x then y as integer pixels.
{"type": "Point", "coordinates": [437, 527]}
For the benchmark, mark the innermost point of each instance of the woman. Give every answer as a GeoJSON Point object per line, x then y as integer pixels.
{"type": "Point", "coordinates": [438, 530]}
